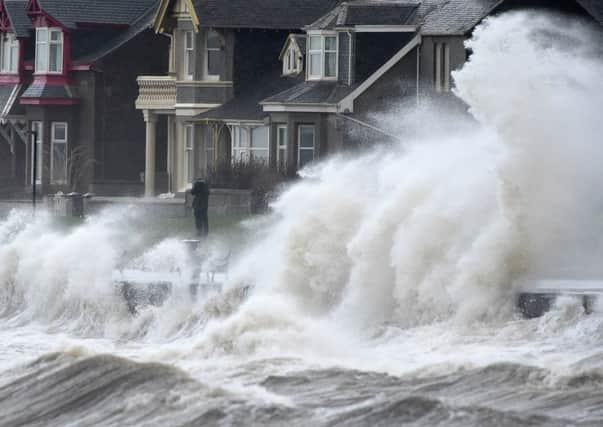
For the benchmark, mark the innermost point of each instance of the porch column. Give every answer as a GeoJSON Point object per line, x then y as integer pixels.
{"type": "Point", "coordinates": [149, 172]}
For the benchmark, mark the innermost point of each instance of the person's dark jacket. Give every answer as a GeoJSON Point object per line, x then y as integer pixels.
{"type": "Point", "coordinates": [200, 193]}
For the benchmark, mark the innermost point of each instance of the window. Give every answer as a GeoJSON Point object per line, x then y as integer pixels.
{"type": "Point", "coordinates": [281, 148]}
{"type": "Point", "coordinates": [208, 137]}
{"type": "Point", "coordinates": [10, 54]}
{"type": "Point", "coordinates": [291, 62]}
{"type": "Point", "coordinates": [49, 50]}
{"type": "Point", "coordinates": [305, 145]}
{"type": "Point", "coordinates": [250, 144]}
{"type": "Point", "coordinates": [36, 128]}
{"type": "Point", "coordinates": [441, 65]}
{"type": "Point", "coordinates": [189, 158]}
{"type": "Point", "coordinates": [214, 57]}
{"type": "Point", "coordinates": [58, 159]}
{"type": "Point", "coordinates": [259, 144]}
{"type": "Point", "coordinates": [189, 55]}
{"type": "Point", "coordinates": [322, 57]}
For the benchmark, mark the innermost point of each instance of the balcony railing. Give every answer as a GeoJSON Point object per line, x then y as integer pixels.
{"type": "Point", "coordinates": [156, 92]}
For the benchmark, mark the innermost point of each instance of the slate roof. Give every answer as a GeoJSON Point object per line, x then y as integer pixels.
{"type": "Point", "coordinates": [456, 17]}
{"type": "Point", "coordinates": [368, 12]}
{"type": "Point", "coordinates": [246, 106]}
{"type": "Point", "coordinates": [143, 23]}
{"type": "Point", "coordinates": [267, 14]}
{"type": "Point", "coordinates": [115, 12]}
{"type": "Point", "coordinates": [48, 91]}
{"type": "Point", "coordinates": [18, 17]}
{"type": "Point", "coordinates": [326, 93]}
{"type": "Point", "coordinates": [447, 17]}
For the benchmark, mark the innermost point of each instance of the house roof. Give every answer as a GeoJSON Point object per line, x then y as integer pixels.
{"type": "Point", "coordinates": [311, 93]}
{"type": "Point", "coordinates": [18, 17]}
{"type": "Point", "coordinates": [143, 23]}
{"type": "Point", "coordinates": [266, 14]}
{"type": "Point", "coordinates": [113, 12]}
{"type": "Point", "coordinates": [368, 12]}
{"type": "Point", "coordinates": [455, 17]}
{"type": "Point", "coordinates": [246, 106]}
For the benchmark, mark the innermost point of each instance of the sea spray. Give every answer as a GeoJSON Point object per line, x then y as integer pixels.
{"type": "Point", "coordinates": [426, 231]}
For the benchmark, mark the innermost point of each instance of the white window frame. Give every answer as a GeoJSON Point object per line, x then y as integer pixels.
{"type": "Point", "coordinates": [49, 31]}
{"type": "Point", "coordinates": [441, 67]}
{"type": "Point", "coordinates": [300, 148]}
{"type": "Point", "coordinates": [208, 76]}
{"type": "Point", "coordinates": [322, 53]}
{"type": "Point", "coordinates": [53, 142]}
{"type": "Point", "coordinates": [10, 42]}
{"type": "Point", "coordinates": [281, 145]}
{"type": "Point", "coordinates": [291, 61]}
{"type": "Point", "coordinates": [38, 127]}
{"type": "Point", "coordinates": [242, 149]}
{"type": "Point", "coordinates": [189, 154]}
{"type": "Point", "coordinates": [189, 55]}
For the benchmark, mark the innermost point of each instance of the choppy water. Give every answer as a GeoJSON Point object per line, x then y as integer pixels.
{"type": "Point", "coordinates": [382, 283]}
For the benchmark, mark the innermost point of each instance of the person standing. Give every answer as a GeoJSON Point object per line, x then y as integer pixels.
{"type": "Point", "coordinates": [200, 193]}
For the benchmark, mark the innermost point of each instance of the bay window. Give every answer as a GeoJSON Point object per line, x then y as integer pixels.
{"type": "Point", "coordinates": [10, 54]}
{"type": "Point", "coordinates": [305, 145]}
{"type": "Point", "coordinates": [49, 50]}
{"type": "Point", "coordinates": [322, 57]}
{"type": "Point", "coordinates": [250, 144]}
{"type": "Point", "coordinates": [281, 148]}
{"type": "Point", "coordinates": [189, 54]}
{"type": "Point", "coordinates": [58, 159]}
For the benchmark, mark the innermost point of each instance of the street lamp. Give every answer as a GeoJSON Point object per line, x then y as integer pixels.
{"type": "Point", "coordinates": [34, 167]}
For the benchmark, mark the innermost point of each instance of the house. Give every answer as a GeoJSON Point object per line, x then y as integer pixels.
{"type": "Point", "coordinates": [364, 56]}
{"type": "Point", "coordinates": [67, 84]}
{"type": "Point", "coordinates": [223, 62]}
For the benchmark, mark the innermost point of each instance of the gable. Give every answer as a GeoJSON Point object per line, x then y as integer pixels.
{"type": "Point", "coordinates": [291, 43]}
{"type": "Point", "coordinates": [174, 9]}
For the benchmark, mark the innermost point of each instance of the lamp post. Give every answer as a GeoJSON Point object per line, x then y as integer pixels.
{"type": "Point", "coordinates": [34, 179]}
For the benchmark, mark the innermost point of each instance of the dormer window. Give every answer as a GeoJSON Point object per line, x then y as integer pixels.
{"type": "Point", "coordinates": [322, 57]}
{"type": "Point", "coordinates": [49, 50]}
{"type": "Point", "coordinates": [9, 62]}
{"type": "Point", "coordinates": [292, 61]}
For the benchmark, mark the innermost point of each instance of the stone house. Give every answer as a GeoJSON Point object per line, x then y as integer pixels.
{"type": "Point", "coordinates": [68, 81]}
{"type": "Point", "coordinates": [223, 61]}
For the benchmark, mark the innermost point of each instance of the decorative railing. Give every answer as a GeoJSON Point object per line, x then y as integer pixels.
{"type": "Point", "coordinates": [156, 92]}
